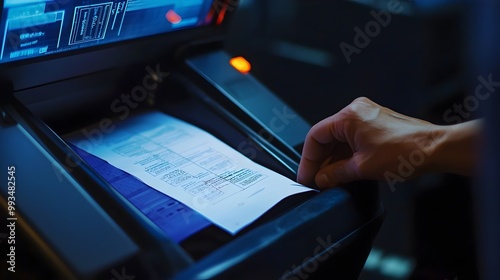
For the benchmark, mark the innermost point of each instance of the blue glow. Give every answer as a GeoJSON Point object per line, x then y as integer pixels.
{"type": "Point", "coordinates": [31, 28]}
{"type": "Point", "coordinates": [389, 265]}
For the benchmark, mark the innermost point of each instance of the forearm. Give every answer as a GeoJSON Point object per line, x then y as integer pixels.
{"type": "Point", "coordinates": [456, 148]}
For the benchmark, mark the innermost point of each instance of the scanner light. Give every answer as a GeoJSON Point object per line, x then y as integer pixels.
{"type": "Point", "coordinates": [240, 64]}
{"type": "Point", "coordinates": [173, 17]}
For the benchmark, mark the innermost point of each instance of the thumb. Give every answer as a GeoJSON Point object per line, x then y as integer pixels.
{"type": "Point", "coordinates": [342, 171]}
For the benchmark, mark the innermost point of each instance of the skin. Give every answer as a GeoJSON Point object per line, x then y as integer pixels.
{"type": "Point", "coordinates": [365, 141]}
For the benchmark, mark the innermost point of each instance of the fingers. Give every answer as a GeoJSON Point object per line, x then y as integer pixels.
{"type": "Point", "coordinates": [331, 136]}
{"type": "Point", "coordinates": [339, 172]}
{"type": "Point", "coordinates": [318, 146]}
{"type": "Point", "coordinates": [308, 168]}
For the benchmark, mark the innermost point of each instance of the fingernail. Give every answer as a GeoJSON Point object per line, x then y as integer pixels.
{"type": "Point", "coordinates": [323, 181]}
{"type": "Point", "coordinates": [299, 178]}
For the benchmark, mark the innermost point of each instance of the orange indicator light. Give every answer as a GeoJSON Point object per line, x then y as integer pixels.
{"type": "Point", "coordinates": [240, 64]}
{"type": "Point", "coordinates": [222, 14]}
{"type": "Point", "coordinates": [173, 17]}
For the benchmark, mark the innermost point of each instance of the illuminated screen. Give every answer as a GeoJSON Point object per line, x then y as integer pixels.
{"type": "Point", "coordinates": [32, 28]}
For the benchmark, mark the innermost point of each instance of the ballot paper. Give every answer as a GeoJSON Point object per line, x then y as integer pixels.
{"type": "Point", "coordinates": [189, 165]}
{"type": "Point", "coordinates": [177, 220]}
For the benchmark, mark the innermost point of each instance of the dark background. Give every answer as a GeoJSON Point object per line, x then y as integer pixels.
{"type": "Point", "coordinates": [423, 64]}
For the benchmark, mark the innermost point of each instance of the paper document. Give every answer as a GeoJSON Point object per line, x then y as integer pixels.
{"type": "Point", "coordinates": [192, 166]}
{"type": "Point", "coordinates": [174, 218]}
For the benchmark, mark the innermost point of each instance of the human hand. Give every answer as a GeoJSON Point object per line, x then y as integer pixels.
{"type": "Point", "coordinates": [365, 141]}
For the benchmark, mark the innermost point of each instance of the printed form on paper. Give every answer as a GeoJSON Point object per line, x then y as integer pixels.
{"type": "Point", "coordinates": [192, 166]}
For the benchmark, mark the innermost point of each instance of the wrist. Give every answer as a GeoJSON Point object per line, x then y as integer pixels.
{"type": "Point", "coordinates": [454, 148]}
{"type": "Point", "coordinates": [431, 144]}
